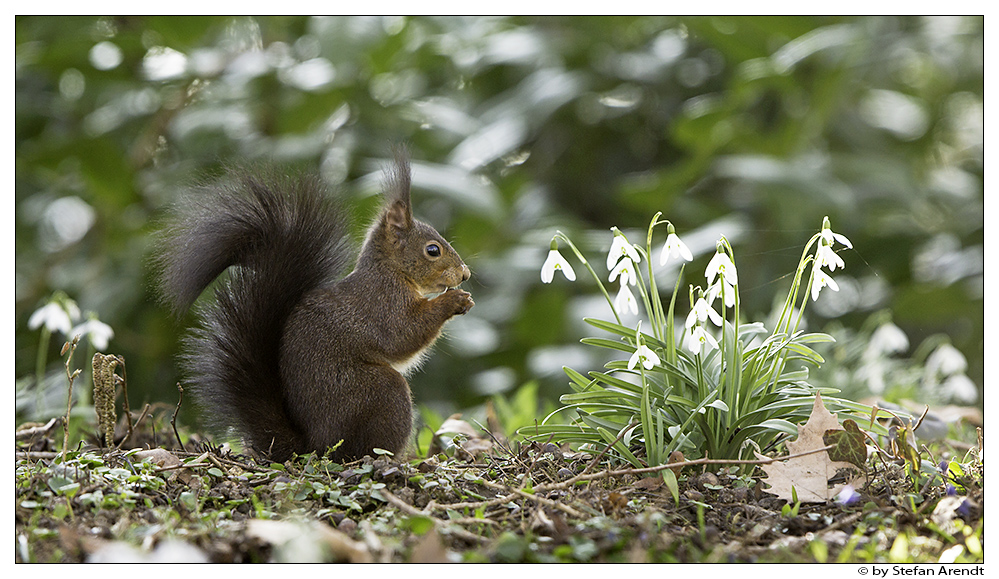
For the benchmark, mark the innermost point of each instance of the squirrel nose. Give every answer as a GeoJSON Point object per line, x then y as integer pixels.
{"type": "Point", "coordinates": [465, 273]}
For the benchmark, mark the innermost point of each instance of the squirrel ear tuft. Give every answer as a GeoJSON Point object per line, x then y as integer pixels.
{"type": "Point", "coordinates": [398, 214]}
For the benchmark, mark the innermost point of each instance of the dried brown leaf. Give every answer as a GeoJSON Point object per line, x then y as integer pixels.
{"type": "Point", "coordinates": [808, 476]}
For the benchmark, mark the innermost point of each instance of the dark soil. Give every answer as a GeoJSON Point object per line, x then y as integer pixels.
{"type": "Point", "coordinates": [533, 503]}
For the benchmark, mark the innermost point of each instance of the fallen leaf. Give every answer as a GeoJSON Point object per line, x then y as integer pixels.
{"type": "Point", "coordinates": [615, 501]}
{"type": "Point", "coordinates": [470, 443]}
{"type": "Point", "coordinates": [429, 549]}
{"type": "Point", "coordinates": [849, 443]}
{"type": "Point", "coordinates": [313, 542]}
{"type": "Point", "coordinates": [808, 476]}
{"type": "Point", "coordinates": [675, 457]}
{"type": "Point", "coordinates": [650, 483]}
{"type": "Point", "coordinates": [158, 456]}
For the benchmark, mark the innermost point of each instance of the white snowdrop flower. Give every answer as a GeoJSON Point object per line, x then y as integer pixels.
{"type": "Point", "coordinates": [555, 262]}
{"type": "Point", "coordinates": [626, 269]}
{"type": "Point", "coordinates": [621, 248]}
{"type": "Point", "coordinates": [702, 312]}
{"type": "Point", "coordinates": [625, 300]}
{"type": "Point", "coordinates": [888, 339]}
{"type": "Point", "coordinates": [721, 265]}
{"type": "Point", "coordinates": [820, 280]}
{"type": "Point", "coordinates": [825, 256]}
{"type": "Point", "coordinates": [872, 373]}
{"type": "Point", "coordinates": [699, 339]}
{"type": "Point", "coordinates": [715, 290]}
{"type": "Point", "coordinates": [674, 248]}
{"type": "Point", "coordinates": [96, 331]}
{"type": "Point", "coordinates": [55, 316]}
{"type": "Point", "coordinates": [646, 356]}
{"type": "Point", "coordinates": [828, 235]}
{"type": "Point", "coordinates": [960, 388]}
{"type": "Point", "coordinates": [946, 360]}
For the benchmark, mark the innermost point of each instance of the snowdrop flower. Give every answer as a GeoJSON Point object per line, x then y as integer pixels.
{"type": "Point", "coordinates": [96, 331]}
{"type": "Point", "coordinates": [721, 265]}
{"type": "Point", "coordinates": [888, 339]}
{"type": "Point", "coordinates": [625, 300]}
{"type": "Point", "coordinates": [960, 388]}
{"type": "Point", "coordinates": [626, 269]}
{"type": "Point", "coordinates": [53, 317]}
{"type": "Point", "coordinates": [715, 290]}
{"type": "Point", "coordinates": [698, 339]}
{"type": "Point", "coordinates": [621, 248]}
{"type": "Point", "coordinates": [554, 262]}
{"type": "Point", "coordinates": [702, 312]}
{"type": "Point", "coordinates": [949, 364]}
{"type": "Point", "coordinates": [825, 255]}
{"type": "Point", "coordinates": [674, 247]}
{"type": "Point", "coordinates": [645, 355]}
{"type": "Point", "coordinates": [821, 280]}
{"type": "Point", "coordinates": [872, 373]}
{"type": "Point", "coordinates": [947, 360]}
{"type": "Point", "coordinates": [828, 235]}
{"type": "Point", "coordinates": [56, 316]}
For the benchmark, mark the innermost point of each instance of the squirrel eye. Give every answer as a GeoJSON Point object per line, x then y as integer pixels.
{"type": "Point", "coordinates": [433, 250]}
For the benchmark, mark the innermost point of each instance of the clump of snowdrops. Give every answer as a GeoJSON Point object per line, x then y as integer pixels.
{"type": "Point", "coordinates": [710, 384]}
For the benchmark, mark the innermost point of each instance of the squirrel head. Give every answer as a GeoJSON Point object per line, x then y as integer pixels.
{"type": "Point", "coordinates": [408, 247]}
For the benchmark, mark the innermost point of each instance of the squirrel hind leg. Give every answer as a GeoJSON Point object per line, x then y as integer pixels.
{"type": "Point", "coordinates": [380, 417]}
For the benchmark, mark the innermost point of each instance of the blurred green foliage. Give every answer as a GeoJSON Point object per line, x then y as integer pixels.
{"type": "Point", "coordinates": [751, 127]}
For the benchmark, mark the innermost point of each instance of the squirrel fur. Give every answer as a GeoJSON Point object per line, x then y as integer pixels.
{"type": "Point", "coordinates": [291, 356]}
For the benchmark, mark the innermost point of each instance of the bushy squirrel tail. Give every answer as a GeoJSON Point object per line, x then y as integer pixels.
{"type": "Point", "coordinates": [286, 237]}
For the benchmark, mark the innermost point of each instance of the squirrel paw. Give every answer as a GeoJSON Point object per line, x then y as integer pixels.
{"type": "Point", "coordinates": [460, 299]}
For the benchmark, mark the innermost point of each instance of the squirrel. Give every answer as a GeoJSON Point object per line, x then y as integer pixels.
{"type": "Point", "coordinates": [292, 356]}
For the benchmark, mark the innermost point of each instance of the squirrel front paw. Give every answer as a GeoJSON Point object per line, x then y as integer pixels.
{"type": "Point", "coordinates": [460, 300]}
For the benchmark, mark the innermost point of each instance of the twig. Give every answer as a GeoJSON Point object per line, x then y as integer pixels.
{"type": "Point", "coordinates": [36, 455]}
{"type": "Point", "coordinates": [142, 415]}
{"type": "Point", "coordinates": [173, 421]}
{"type": "Point", "coordinates": [124, 392]}
{"type": "Point", "coordinates": [227, 461]}
{"type": "Point", "coordinates": [633, 471]}
{"type": "Point", "coordinates": [472, 505]}
{"type": "Point", "coordinates": [27, 433]}
{"type": "Point", "coordinates": [535, 497]}
{"type": "Point", "coordinates": [71, 346]}
{"type": "Point", "coordinates": [597, 458]}
{"type": "Point", "coordinates": [438, 524]}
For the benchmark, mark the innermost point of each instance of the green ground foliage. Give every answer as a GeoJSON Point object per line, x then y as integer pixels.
{"type": "Point", "coordinates": [474, 499]}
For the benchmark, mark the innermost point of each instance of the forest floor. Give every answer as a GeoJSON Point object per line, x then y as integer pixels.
{"type": "Point", "coordinates": [525, 502]}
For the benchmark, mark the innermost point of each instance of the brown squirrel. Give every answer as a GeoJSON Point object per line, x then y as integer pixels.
{"type": "Point", "coordinates": [290, 357]}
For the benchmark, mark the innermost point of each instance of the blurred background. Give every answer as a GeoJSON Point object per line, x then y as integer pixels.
{"type": "Point", "coordinates": [749, 127]}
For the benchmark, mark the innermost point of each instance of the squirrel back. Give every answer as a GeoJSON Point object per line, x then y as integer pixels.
{"type": "Point", "coordinates": [290, 357]}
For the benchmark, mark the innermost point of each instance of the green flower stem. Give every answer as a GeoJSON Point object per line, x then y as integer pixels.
{"type": "Point", "coordinates": [807, 293]}
{"type": "Point", "coordinates": [784, 322]}
{"type": "Point", "coordinates": [646, 300]}
{"type": "Point", "coordinates": [600, 284]}
{"type": "Point", "coordinates": [656, 315]}
{"type": "Point", "coordinates": [40, 360]}
{"type": "Point", "coordinates": [729, 382]}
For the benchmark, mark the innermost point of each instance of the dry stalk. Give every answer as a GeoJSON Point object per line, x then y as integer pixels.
{"type": "Point", "coordinates": [438, 524]}
{"type": "Point", "coordinates": [71, 347]}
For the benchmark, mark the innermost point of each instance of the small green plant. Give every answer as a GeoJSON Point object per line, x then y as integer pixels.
{"type": "Point", "coordinates": [715, 386]}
